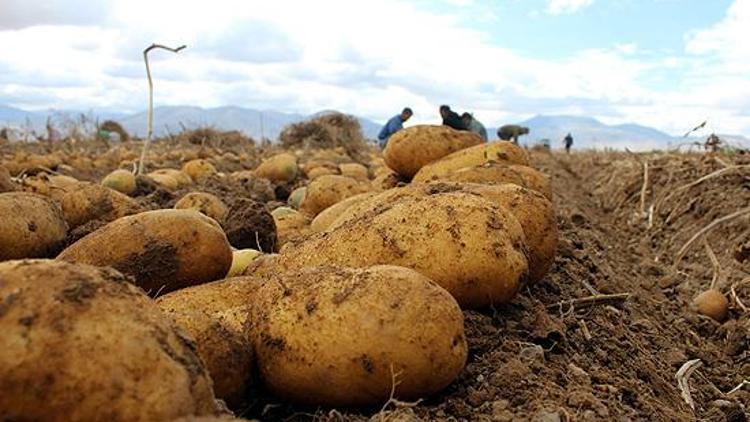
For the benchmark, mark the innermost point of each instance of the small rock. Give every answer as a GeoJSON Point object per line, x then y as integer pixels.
{"type": "Point", "coordinates": [547, 416]}
{"type": "Point", "coordinates": [578, 375]}
{"type": "Point", "coordinates": [532, 354]}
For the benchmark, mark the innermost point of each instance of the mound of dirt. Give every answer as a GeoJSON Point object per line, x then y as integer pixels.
{"type": "Point", "coordinates": [329, 130]}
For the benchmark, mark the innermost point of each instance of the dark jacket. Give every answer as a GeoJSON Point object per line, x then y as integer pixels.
{"type": "Point", "coordinates": [454, 120]}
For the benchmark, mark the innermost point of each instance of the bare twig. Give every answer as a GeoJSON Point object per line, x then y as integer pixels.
{"type": "Point", "coordinates": [585, 330]}
{"type": "Point", "coordinates": [696, 182]}
{"type": "Point", "coordinates": [683, 377]}
{"type": "Point", "coordinates": [705, 230]}
{"type": "Point", "coordinates": [644, 188]}
{"type": "Point", "coordinates": [739, 387]}
{"type": "Point", "coordinates": [589, 301]}
{"type": "Point", "coordinates": [714, 262]}
{"type": "Point", "coordinates": [735, 297]}
{"type": "Point", "coordinates": [150, 127]}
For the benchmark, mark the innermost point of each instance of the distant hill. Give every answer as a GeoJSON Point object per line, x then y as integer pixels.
{"type": "Point", "coordinates": [587, 132]}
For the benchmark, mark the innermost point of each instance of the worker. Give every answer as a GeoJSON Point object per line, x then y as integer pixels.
{"type": "Point", "coordinates": [474, 125]}
{"type": "Point", "coordinates": [512, 132]}
{"type": "Point", "coordinates": [568, 141]}
{"type": "Point", "coordinates": [451, 118]}
{"type": "Point", "coordinates": [395, 124]}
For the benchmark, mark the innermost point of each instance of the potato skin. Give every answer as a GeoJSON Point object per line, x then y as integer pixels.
{"type": "Point", "coordinates": [279, 168]}
{"type": "Point", "coordinates": [327, 190]}
{"type": "Point", "coordinates": [497, 174]}
{"type": "Point", "coordinates": [89, 201]}
{"type": "Point", "coordinates": [466, 244]}
{"type": "Point", "coordinates": [332, 336]}
{"type": "Point", "coordinates": [499, 151]}
{"type": "Point", "coordinates": [204, 203]}
{"type": "Point", "coordinates": [120, 180]}
{"type": "Point", "coordinates": [323, 220]}
{"type": "Point", "coordinates": [82, 344]}
{"type": "Point", "coordinates": [410, 149]}
{"type": "Point", "coordinates": [33, 226]}
{"type": "Point", "coordinates": [163, 250]}
{"type": "Point", "coordinates": [355, 170]}
{"type": "Point", "coordinates": [290, 226]}
{"type": "Point", "coordinates": [6, 184]}
{"type": "Point", "coordinates": [199, 169]}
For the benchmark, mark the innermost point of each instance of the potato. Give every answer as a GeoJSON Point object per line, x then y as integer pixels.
{"type": "Point", "coordinates": [120, 180]}
{"type": "Point", "coordinates": [6, 184]}
{"type": "Point", "coordinates": [321, 171]}
{"type": "Point", "coordinates": [32, 226]}
{"type": "Point", "coordinates": [466, 244]}
{"type": "Point", "coordinates": [82, 344]}
{"type": "Point", "coordinates": [162, 250]}
{"type": "Point", "coordinates": [199, 169]}
{"type": "Point", "coordinates": [337, 336]}
{"type": "Point", "coordinates": [170, 176]}
{"type": "Point", "coordinates": [355, 171]}
{"type": "Point", "coordinates": [89, 201]}
{"type": "Point", "coordinates": [384, 181]}
{"type": "Point", "coordinates": [280, 211]}
{"type": "Point", "coordinates": [323, 220]}
{"type": "Point", "coordinates": [204, 203]}
{"type": "Point", "coordinates": [532, 210]}
{"type": "Point", "coordinates": [296, 197]}
{"type": "Point", "coordinates": [215, 314]}
{"type": "Point", "coordinates": [241, 259]}
{"type": "Point", "coordinates": [500, 151]}
{"type": "Point", "coordinates": [713, 304]}
{"type": "Point", "coordinates": [279, 168]}
{"type": "Point", "coordinates": [328, 190]}
{"type": "Point", "coordinates": [494, 173]}
{"type": "Point", "coordinates": [410, 149]}
{"type": "Point", "coordinates": [54, 186]}
{"type": "Point", "coordinates": [290, 226]}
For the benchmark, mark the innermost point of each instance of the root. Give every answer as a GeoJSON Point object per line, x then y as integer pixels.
{"type": "Point", "coordinates": [683, 377]}
{"type": "Point", "coordinates": [714, 263]}
{"type": "Point", "coordinates": [736, 301]}
{"type": "Point", "coordinates": [697, 182]}
{"type": "Point", "coordinates": [644, 188]}
{"type": "Point", "coordinates": [701, 232]}
{"type": "Point", "coordinates": [587, 302]}
{"type": "Point", "coordinates": [381, 415]}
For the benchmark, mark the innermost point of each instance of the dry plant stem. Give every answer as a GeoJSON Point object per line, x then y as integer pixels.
{"type": "Point", "coordinates": [683, 376]}
{"type": "Point", "coordinates": [392, 400]}
{"type": "Point", "coordinates": [589, 301]}
{"type": "Point", "coordinates": [714, 262]}
{"type": "Point", "coordinates": [696, 182]}
{"type": "Point", "coordinates": [739, 387]}
{"type": "Point", "coordinates": [705, 230]}
{"type": "Point", "coordinates": [735, 297]}
{"type": "Point", "coordinates": [644, 188]}
{"type": "Point", "coordinates": [150, 126]}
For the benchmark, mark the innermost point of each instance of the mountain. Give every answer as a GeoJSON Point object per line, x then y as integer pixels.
{"type": "Point", "coordinates": [587, 132]}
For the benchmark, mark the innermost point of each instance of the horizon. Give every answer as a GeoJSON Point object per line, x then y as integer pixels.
{"type": "Point", "coordinates": [665, 64]}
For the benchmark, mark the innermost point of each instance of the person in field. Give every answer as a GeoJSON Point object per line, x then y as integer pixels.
{"type": "Point", "coordinates": [474, 125]}
{"type": "Point", "coordinates": [568, 141]}
{"type": "Point", "coordinates": [395, 124]}
{"type": "Point", "coordinates": [451, 118]}
{"type": "Point", "coordinates": [512, 132]}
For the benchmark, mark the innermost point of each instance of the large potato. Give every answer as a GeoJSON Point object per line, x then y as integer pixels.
{"type": "Point", "coordinates": [163, 250]}
{"type": "Point", "coordinates": [329, 215]}
{"type": "Point", "coordinates": [204, 203]}
{"type": "Point", "coordinates": [465, 243]}
{"type": "Point", "coordinates": [279, 168]}
{"type": "Point", "coordinates": [32, 226]}
{"type": "Point", "coordinates": [338, 336]}
{"type": "Point", "coordinates": [88, 201]}
{"type": "Point", "coordinates": [214, 315]}
{"type": "Point", "coordinates": [495, 173]}
{"type": "Point", "coordinates": [410, 149]}
{"type": "Point", "coordinates": [327, 190]}
{"type": "Point", "coordinates": [499, 151]}
{"type": "Point", "coordinates": [80, 343]}
{"type": "Point", "coordinates": [533, 211]}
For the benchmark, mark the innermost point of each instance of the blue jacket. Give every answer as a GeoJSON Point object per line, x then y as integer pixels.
{"type": "Point", "coordinates": [394, 125]}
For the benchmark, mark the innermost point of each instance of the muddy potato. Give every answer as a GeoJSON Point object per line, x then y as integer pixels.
{"type": "Point", "coordinates": [410, 149]}
{"type": "Point", "coordinates": [323, 220]}
{"type": "Point", "coordinates": [54, 186]}
{"type": "Point", "coordinates": [82, 344]}
{"type": "Point", "coordinates": [321, 171]}
{"type": "Point", "coordinates": [290, 226]}
{"type": "Point", "coordinates": [355, 171]}
{"type": "Point", "coordinates": [296, 197]}
{"type": "Point", "coordinates": [199, 169]}
{"type": "Point", "coordinates": [495, 173]}
{"type": "Point", "coordinates": [465, 243]}
{"type": "Point", "coordinates": [171, 178]}
{"type": "Point", "coordinates": [204, 203]}
{"type": "Point", "coordinates": [32, 226]}
{"type": "Point", "coordinates": [89, 201]}
{"type": "Point", "coordinates": [533, 211]}
{"type": "Point", "coordinates": [335, 336]}
{"type": "Point", "coordinates": [120, 180]}
{"type": "Point", "coordinates": [279, 168]}
{"type": "Point", "coordinates": [384, 181]}
{"type": "Point", "coordinates": [328, 190]}
{"type": "Point", "coordinates": [241, 259]}
{"type": "Point", "coordinates": [162, 250]}
{"type": "Point", "coordinates": [499, 151]}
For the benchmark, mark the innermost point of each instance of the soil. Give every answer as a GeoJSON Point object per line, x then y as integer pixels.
{"type": "Point", "coordinates": [542, 360]}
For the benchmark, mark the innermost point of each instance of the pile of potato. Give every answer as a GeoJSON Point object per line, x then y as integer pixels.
{"type": "Point", "coordinates": [347, 285]}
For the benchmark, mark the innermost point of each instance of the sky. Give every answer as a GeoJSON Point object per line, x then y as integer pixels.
{"type": "Point", "coordinates": [669, 64]}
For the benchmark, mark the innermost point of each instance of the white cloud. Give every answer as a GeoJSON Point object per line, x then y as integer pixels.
{"type": "Point", "coordinates": [557, 7]}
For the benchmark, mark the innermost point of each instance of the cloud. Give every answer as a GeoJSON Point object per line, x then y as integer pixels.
{"type": "Point", "coordinates": [18, 14]}
{"type": "Point", "coordinates": [558, 7]}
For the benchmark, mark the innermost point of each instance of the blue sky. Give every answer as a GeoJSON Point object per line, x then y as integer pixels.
{"type": "Point", "coordinates": [669, 64]}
